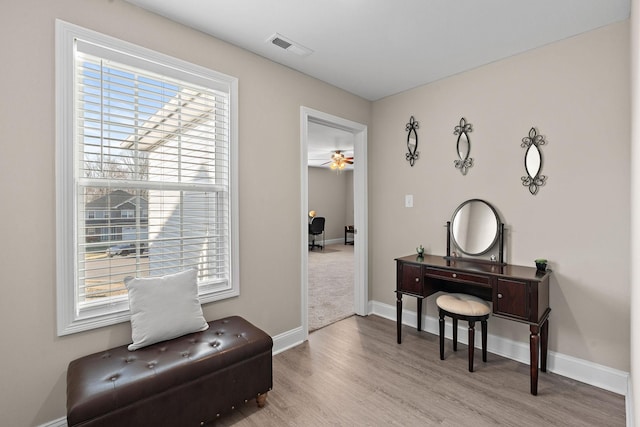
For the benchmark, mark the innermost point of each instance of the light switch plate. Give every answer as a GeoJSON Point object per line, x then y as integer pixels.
{"type": "Point", "coordinates": [408, 200]}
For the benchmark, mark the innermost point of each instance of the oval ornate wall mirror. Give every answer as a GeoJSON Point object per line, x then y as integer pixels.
{"type": "Point", "coordinates": [533, 161]}
{"type": "Point", "coordinates": [412, 141]}
{"type": "Point", "coordinates": [475, 227]}
{"type": "Point", "coordinates": [463, 146]}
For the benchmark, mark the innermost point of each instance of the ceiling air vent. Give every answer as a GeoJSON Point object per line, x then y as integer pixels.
{"type": "Point", "coordinates": [289, 45]}
{"type": "Point", "coordinates": [282, 43]}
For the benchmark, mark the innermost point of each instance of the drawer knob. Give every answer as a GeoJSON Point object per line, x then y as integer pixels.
{"type": "Point", "coordinates": [499, 296]}
{"type": "Point", "coordinates": [454, 275]}
{"type": "Point", "coordinates": [417, 279]}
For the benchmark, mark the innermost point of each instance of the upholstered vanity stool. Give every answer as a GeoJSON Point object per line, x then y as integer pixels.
{"type": "Point", "coordinates": [464, 307]}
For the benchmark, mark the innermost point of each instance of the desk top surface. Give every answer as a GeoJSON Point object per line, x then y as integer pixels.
{"type": "Point", "coordinates": [480, 266]}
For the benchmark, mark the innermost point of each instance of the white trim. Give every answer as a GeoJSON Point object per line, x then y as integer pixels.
{"type": "Point", "coordinates": [581, 370]}
{"type": "Point", "coordinates": [288, 339]}
{"type": "Point", "coordinates": [68, 319]}
{"type": "Point", "coordinates": [60, 422]}
{"type": "Point", "coordinates": [327, 242]}
{"type": "Point", "coordinates": [628, 403]}
{"type": "Point", "coordinates": [361, 280]}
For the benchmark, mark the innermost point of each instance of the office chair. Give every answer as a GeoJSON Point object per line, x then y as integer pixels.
{"type": "Point", "coordinates": [316, 227]}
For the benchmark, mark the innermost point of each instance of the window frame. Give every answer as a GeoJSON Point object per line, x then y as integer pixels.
{"type": "Point", "coordinates": [69, 318]}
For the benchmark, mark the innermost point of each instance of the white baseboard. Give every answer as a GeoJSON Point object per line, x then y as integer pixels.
{"type": "Point", "coordinates": [568, 366]}
{"type": "Point", "coordinates": [629, 404]}
{"type": "Point", "coordinates": [60, 422]}
{"type": "Point", "coordinates": [331, 241]}
{"type": "Point", "coordinates": [287, 340]}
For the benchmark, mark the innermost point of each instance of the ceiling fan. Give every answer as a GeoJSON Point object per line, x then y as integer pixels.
{"type": "Point", "coordinates": [339, 161]}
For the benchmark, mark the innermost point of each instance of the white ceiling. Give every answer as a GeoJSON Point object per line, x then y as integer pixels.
{"type": "Point", "coordinates": [377, 48]}
{"type": "Point", "coordinates": [323, 140]}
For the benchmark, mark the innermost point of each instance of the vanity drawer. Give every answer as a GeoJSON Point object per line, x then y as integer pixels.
{"type": "Point", "coordinates": [410, 278]}
{"type": "Point", "coordinates": [457, 276]}
{"type": "Point", "coordinates": [512, 298]}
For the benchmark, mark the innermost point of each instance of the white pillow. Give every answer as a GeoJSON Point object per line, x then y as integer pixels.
{"type": "Point", "coordinates": [164, 307]}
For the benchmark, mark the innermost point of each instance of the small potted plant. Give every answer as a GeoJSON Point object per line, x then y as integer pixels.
{"type": "Point", "coordinates": [541, 264]}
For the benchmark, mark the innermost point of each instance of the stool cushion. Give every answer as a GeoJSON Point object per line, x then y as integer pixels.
{"type": "Point", "coordinates": [463, 304]}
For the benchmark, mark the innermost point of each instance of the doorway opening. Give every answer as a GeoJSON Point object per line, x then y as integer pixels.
{"type": "Point", "coordinates": [310, 119]}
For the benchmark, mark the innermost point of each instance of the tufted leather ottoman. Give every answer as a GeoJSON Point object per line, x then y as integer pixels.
{"type": "Point", "coordinates": [187, 381]}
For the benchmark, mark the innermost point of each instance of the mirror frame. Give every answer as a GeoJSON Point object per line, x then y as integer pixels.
{"type": "Point", "coordinates": [464, 162]}
{"type": "Point", "coordinates": [412, 155]}
{"type": "Point", "coordinates": [498, 238]}
{"type": "Point", "coordinates": [533, 142]}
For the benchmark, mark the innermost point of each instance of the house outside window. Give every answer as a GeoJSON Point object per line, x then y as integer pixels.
{"type": "Point", "coordinates": [146, 155]}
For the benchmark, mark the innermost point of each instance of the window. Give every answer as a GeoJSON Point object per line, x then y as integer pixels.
{"type": "Point", "coordinates": [146, 175]}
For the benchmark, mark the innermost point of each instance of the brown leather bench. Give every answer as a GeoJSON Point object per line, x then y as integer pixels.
{"type": "Point", "coordinates": [186, 381]}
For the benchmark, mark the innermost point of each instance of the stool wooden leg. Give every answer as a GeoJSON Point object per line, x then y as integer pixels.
{"type": "Point", "coordinates": [472, 332]}
{"type": "Point", "coordinates": [441, 322]}
{"type": "Point", "coordinates": [455, 334]}
{"type": "Point", "coordinates": [484, 340]}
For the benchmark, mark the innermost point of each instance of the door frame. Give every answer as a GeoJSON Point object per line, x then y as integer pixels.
{"type": "Point", "coordinates": [360, 212]}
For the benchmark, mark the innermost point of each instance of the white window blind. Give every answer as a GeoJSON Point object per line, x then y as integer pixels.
{"type": "Point", "coordinates": [152, 173]}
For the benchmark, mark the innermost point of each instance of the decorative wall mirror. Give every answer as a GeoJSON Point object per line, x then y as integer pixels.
{"type": "Point", "coordinates": [412, 141]}
{"type": "Point", "coordinates": [463, 146]}
{"type": "Point", "coordinates": [533, 161]}
{"type": "Point", "coordinates": [474, 230]}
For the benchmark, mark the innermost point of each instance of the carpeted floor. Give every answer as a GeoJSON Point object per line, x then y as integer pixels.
{"type": "Point", "coordinates": [330, 285]}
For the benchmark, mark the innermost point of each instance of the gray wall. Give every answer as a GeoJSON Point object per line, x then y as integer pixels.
{"type": "Point", "coordinates": [331, 196]}
{"type": "Point", "coordinates": [576, 93]}
{"type": "Point", "coordinates": [32, 390]}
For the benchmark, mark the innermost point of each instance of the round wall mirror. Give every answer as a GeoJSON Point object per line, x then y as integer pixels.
{"type": "Point", "coordinates": [475, 227]}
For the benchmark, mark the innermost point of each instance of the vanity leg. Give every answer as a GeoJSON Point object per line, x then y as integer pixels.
{"type": "Point", "coordinates": [544, 340]}
{"type": "Point", "coordinates": [419, 313]}
{"type": "Point", "coordinates": [399, 316]}
{"type": "Point", "coordinates": [534, 341]}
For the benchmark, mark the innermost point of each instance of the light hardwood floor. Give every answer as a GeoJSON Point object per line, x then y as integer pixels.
{"type": "Point", "coordinates": [352, 373]}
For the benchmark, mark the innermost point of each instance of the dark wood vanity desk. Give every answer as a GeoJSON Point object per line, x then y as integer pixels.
{"type": "Point", "coordinates": [518, 293]}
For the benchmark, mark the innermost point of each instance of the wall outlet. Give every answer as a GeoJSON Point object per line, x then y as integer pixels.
{"type": "Point", "coordinates": [408, 200]}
